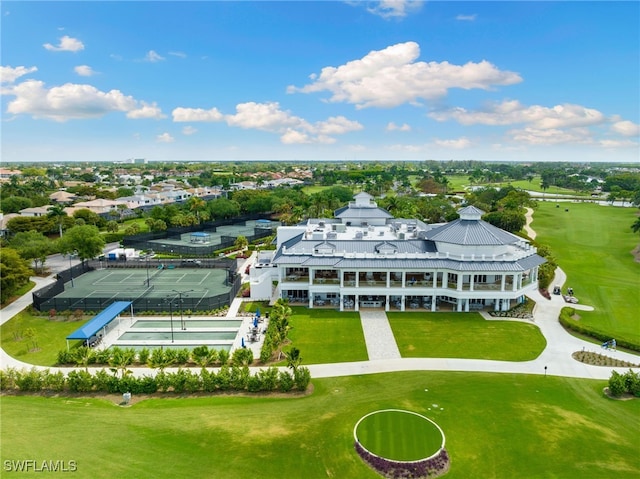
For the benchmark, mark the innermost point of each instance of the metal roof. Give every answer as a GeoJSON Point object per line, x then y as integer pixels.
{"type": "Point", "coordinates": [100, 321]}
{"type": "Point", "coordinates": [471, 233]}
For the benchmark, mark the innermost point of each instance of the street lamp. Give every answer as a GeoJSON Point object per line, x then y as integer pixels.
{"type": "Point", "coordinates": [180, 294]}
{"type": "Point", "coordinates": [170, 301]}
{"type": "Point", "coordinates": [148, 283]}
{"type": "Point", "coordinates": [71, 267]}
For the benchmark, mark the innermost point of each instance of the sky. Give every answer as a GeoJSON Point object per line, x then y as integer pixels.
{"type": "Point", "coordinates": [314, 81]}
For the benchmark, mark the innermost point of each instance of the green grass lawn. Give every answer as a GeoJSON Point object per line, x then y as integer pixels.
{"type": "Point", "coordinates": [464, 335]}
{"type": "Point", "coordinates": [399, 436]}
{"type": "Point", "coordinates": [593, 246]}
{"type": "Point", "coordinates": [50, 337]}
{"type": "Point", "coordinates": [499, 426]}
{"type": "Point", "coordinates": [327, 336]}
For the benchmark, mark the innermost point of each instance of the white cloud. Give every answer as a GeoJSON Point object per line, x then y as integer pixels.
{"type": "Point", "coordinates": [551, 136]}
{"type": "Point", "coordinates": [178, 54]}
{"type": "Point", "coordinates": [67, 44]}
{"type": "Point", "coordinates": [294, 137]}
{"type": "Point", "coordinates": [9, 74]}
{"type": "Point", "coordinates": [467, 18]}
{"type": "Point", "coordinates": [263, 116]}
{"type": "Point", "coordinates": [165, 138]}
{"type": "Point", "coordinates": [271, 118]}
{"type": "Point", "coordinates": [116, 57]}
{"type": "Point", "coordinates": [84, 71]}
{"type": "Point", "coordinates": [618, 144]}
{"type": "Point", "coordinates": [457, 144]}
{"type": "Point", "coordinates": [73, 101]}
{"type": "Point", "coordinates": [626, 128]}
{"type": "Point", "coordinates": [189, 130]}
{"type": "Point", "coordinates": [196, 114]}
{"type": "Point", "coordinates": [393, 127]}
{"type": "Point", "coordinates": [391, 77]}
{"type": "Point", "coordinates": [393, 8]}
{"type": "Point", "coordinates": [146, 110]}
{"type": "Point", "coordinates": [513, 112]}
{"type": "Point", "coordinates": [153, 57]}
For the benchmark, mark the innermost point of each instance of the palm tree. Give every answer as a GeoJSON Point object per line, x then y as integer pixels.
{"type": "Point", "coordinates": [196, 204]}
{"type": "Point", "coordinates": [58, 213]}
{"type": "Point", "coordinates": [293, 359]}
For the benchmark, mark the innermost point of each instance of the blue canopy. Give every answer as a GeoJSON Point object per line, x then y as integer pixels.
{"type": "Point", "coordinates": [100, 320]}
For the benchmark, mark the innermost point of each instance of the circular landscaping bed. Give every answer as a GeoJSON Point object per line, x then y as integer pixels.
{"type": "Point", "coordinates": [401, 444]}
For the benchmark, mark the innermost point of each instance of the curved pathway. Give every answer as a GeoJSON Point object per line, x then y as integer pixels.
{"type": "Point", "coordinates": [555, 360]}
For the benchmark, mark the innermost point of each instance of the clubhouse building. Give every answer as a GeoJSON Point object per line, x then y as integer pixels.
{"type": "Point", "coordinates": [366, 258]}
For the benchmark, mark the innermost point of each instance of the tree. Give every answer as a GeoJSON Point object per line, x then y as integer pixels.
{"type": "Point", "coordinates": [197, 205]}
{"type": "Point", "coordinates": [13, 204]}
{"type": "Point", "coordinates": [32, 245]}
{"type": "Point", "coordinates": [223, 208]}
{"type": "Point", "coordinates": [14, 273]}
{"type": "Point", "coordinates": [89, 217]}
{"type": "Point", "coordinates": [85, 241]}
{"type": "Point", "coordinates": [58, 213]}
{"type": "Point", "coordinates": [31, 335]}
{"type": "Point", "coordinates": [121, 359]}
{"type": "Point", "coordinates": [293, 359]}
{"type": "Point", "coordinates": [509, 220]}
{"type": "Point", "coordinates": [112, 226]}
{"type": "Point", "coordinates": [241, 242]}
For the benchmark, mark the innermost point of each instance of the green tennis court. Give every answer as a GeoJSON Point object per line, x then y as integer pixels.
{"type": "Point", "coordinates": [162, 282]}
{"type": "Point", "coordinates": [399, 435]}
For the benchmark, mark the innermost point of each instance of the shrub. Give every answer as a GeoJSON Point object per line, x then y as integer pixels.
{"type": "Point", "coordinates": [301, 378]}
{"type": "Point", "coordinates": [143, 355]}
{"type": "Point", "coordinates": [285, 381]}
{"type": "Point", "coordinates": [8, 379]}
{"type": "Point", "coordinates": [79, 381]}
{"type": "Point", "coordinates": [30, 381]}
{"type": "Point", "coordinates": [616, 384]}
{"type": "Point", "coordinates": [54, 381]}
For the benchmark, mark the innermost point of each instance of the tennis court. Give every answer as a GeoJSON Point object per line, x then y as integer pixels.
{"type": "Point", "coordinates": [162, 288]}
{"type": "Point", "coordinates": [220, 236]}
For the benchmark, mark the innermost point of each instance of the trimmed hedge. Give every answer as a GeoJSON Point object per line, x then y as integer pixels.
{"type": "Point", "coordinates": [573, 325]}
{"type": "Point", "coordinates": [183, 381]}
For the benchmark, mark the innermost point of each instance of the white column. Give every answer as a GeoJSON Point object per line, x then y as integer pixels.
{"type": "Point", "coordinates": [504, 277]}
{"type": "Point", "coordinates": [356, 305]}
{"type": "Point", "coordinates": [386, 304]}
{"type": "Point", "coordinates": [459, 283]}
{"type": "Point", "coordinates": [472, 282]}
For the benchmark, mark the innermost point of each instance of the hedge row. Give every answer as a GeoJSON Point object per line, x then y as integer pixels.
{"type": "Point", "coordinates": [568, 322]}
{"type": "Point", "coordinates": [227, 378]}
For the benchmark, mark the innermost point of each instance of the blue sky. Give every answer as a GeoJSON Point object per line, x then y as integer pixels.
{"type": "Point", "coordinates": [328, 80]}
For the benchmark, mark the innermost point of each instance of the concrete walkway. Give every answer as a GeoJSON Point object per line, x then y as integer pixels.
{"type": "Point", "coordinates": [378, 336]}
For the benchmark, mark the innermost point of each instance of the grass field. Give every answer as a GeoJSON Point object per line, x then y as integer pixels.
{"type": "Point", "coordinates": [50, 337]}
{"type": "Point", "coordinates": [464, 335]}
{"type": "Point", "coordinates": [325, 336]}
{"type": "Point", "coordinates": [593, 246]}
{"type": "Point", "coordinates": [497, 426]}
{"type": "Point", "coordinates": [399, 435]}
